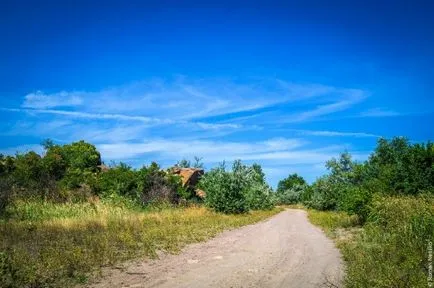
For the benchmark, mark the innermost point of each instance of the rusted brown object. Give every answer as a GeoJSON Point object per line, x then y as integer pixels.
{"type": "Point", "coordinates": [190, 177]}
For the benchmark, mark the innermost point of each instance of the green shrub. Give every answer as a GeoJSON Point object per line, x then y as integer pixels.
{"type": "Point", "coordinates": [356, 200]}
{"type": "Point", "coordinates": [119, 180]}
{"type": "Point", "coordinates": [292, 195]}
{"type": "Point", "coordinates": [259, 197]}
{"type": "Point", "coordinates": [238, 190]}
{"type": "Point", "coordinates": [324, 194]}
{"type": "Point", "coordinates": [5, 192]}
{"type": "Point", "coordinates": [224, 191]}
{"type": "Point", "coordinates": [157, 185]}
{"type": "Point", "coordinates": [289, 182]}
{"type": "Point", "coordinates": [393, 248]}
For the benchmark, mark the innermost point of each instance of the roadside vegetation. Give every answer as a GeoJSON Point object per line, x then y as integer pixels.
{"type": "Point", "coordinates": [64, 215]}
{"type": "Point", "coordinates": [381, 212]}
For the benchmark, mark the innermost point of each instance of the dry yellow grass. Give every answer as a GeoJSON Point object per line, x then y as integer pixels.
{"type": "Point", "coordinates": [55, 249]}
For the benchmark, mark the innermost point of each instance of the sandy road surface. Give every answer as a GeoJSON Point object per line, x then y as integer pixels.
{"type": "Point", "coordinates": [283, 251]}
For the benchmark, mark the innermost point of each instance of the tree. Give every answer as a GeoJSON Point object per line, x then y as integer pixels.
{"type": "Point", "coordinates": [81, 161]}
{"type": "Point", "coordinates": [81, 155]}
{"type": "Point", "coordinates": [47, 144]}
{"type": "Point", "coordinates": [289, 182]}
{"type": "Point", "coordinates": [184, 163]}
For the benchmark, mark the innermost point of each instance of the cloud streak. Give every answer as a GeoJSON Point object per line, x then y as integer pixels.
{"type": "Point", "coordinates": [39, 100]}
{"type": "Point", "coordinates": [327, 133]}
{"type": "Point", "coordinates": [379, 112]}
{"type": "Point", "coordinates": [187, 100]}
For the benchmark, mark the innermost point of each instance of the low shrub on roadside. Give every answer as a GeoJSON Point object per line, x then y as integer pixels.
{"type": "Point", "coordinates": [392, 250]}
{"type": "Point", "coordinates": [291, 195]}
{"type": "Point", "coordinates": [236, 191]}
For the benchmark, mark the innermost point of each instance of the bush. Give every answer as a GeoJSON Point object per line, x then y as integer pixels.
{"type": "Point", "coordinates": [259, 197]}
{"type": "Point", "coordinates": [157, 186]}
{"type": "Point", "coordinates": [292, 195]}
{"type": "Point", "coordinates": [236, 191]}
{"type": "Point", "coordinates": [324, 195]}
{"type": "Point", "coordinates": [5, 192]}
{"type": "Point", "coordinates": [356, 201]}
{"type": "Point", "coordinates": [224, 191]}
{"type": "Point", "coordinates": [119, 180]}
{"type": "Point", "coordinates": [393, 248]}
{"type": "Point", "coordinates": [289, 182]}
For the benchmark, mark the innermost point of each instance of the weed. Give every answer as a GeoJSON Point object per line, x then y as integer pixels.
{"type": "Point", "coordinates": [51, 245]}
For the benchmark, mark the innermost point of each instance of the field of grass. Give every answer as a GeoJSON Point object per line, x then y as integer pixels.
{"type": "Point", "coordinates": [331, 222]}
{"type": "Point", "coordinates": [391, 249]}
{"type": "Point", "coordinates": [55, 245]}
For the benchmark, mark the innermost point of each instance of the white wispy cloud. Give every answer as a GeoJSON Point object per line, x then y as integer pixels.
{"type": "Point", "coordinates": [185, 99]}
{"type": "Point", "coordinates": [278, 150]}
{"type": "Point", "coordinates": [39, 100]}
{"type": "Point", "coordinates": [151, 121]}
{"type": "Point", "coordinates": [379, 112]}
{"type": "Point", "coordinates": [349, 98]}
{"type": "Point", "coordinates": [327, 133]}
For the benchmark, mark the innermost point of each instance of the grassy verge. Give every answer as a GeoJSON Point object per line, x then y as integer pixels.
{"type": "Point", "coordinates": [337, 225]}
{"type": "Point", "coordinates": [392, 248]}
{"type": "Point", "coordinates": [48, 245]}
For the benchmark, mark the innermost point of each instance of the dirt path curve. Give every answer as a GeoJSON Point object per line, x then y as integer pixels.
{"type": "Point", "coordinates": [283, 251]}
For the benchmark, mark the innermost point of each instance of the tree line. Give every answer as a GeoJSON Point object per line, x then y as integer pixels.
{"type": "Point", "coordinates": [395, 168]}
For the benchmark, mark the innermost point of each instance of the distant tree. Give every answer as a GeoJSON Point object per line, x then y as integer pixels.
{"type": "Point", "coordinates": [401, 167]}
{"type": "Point", "coordinates": [197, 162]}
{"type": "Point", "coordinates": [184, 163]}
{"type": "Point", "coordinates": [289, 182]}
{"type": "Point", "coordinates": [81, 160]}
{"type": "Point", "coordinates": [47, 144]}
{"type": "Point", "coordinates": [81, 155]}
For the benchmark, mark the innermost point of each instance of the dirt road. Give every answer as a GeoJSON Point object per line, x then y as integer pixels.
{"type": "Point", "coordinates": [283, 251]}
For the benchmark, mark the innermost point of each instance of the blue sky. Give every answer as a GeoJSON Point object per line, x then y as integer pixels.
{"type": "Point", "coordinates": [285, 85]}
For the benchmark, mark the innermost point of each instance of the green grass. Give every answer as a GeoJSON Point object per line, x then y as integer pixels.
{"type": "Point", "coordinates": [53, 245]}
{"type": "Point", "coordinates": [391, 250]}
{"type": "Point", "coordinates": [332, 221]}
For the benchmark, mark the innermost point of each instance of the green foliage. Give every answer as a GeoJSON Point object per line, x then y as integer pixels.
{"type": "Point", "coordinates": [238, 190]}
{"type": "Point", "coordinates": [393, 248]}
{"type": "Point", "coordinates": [5, 192]}
{"type": "Point", "coordinates": [324, 194]}
{"type": "Point", "coordinates": [259, 197]}
{"type": "Point", "coordinates": [224, 190]}
{"type": "Point", "coordinates": [330, 221]}
{"type": "Point", "coordinates": [292, 195]}
{"type": "Point", "coordinates": [81, 156]}
{"type": "Point", "coordinates": [158, 186]}
{"type": "Point", "coordinates": [82, 161]}
{"type": "Point", "coordinates": [184, 163]}
{"type": "Point", "coordinates": [404, 168]}
{"type": "Point", "coordinates": [289, 182]}
{"type": "Point", "coordinates": [356, 200]}
{"type": "Point", "coordinates": [119, 180]}
{"type": "Point", "coordinates": [396, 167]}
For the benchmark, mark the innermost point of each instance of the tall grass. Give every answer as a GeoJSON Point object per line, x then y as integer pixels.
{"type": "Point", "coordinates": [332, 220]}
{"type": "Point", "coordinates": [51, 245]}
{"type": "Point", "coordinates": [392, 248]}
